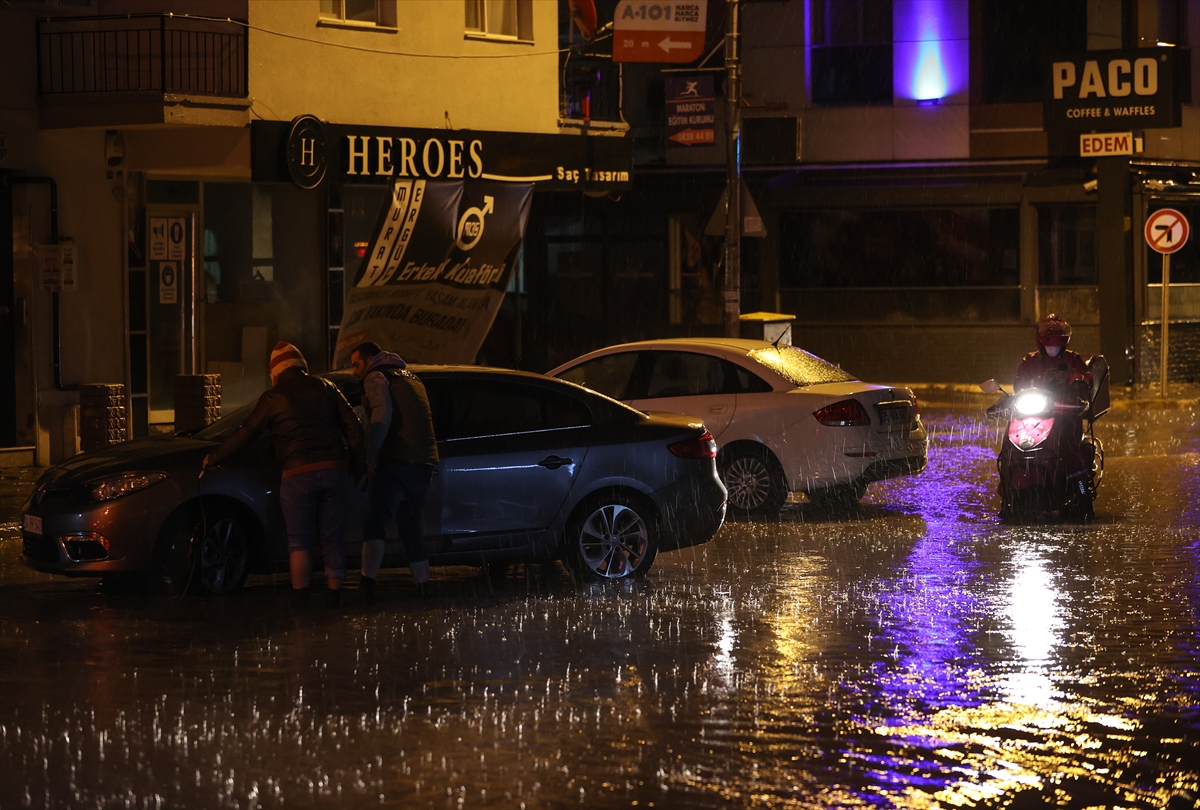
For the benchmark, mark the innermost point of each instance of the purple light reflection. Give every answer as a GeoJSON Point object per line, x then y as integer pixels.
{"type": "Point", "coordinates": [931, 54]}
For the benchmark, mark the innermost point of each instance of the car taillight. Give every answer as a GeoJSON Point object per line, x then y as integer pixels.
{"type": "Point", "coordinates": [847, 413]}
{"type": "Point", "coordinates": [702, 446]}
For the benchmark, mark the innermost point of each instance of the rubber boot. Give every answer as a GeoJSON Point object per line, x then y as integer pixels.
{"type": "Point", "coordinates": [420, 572]}
{"type": "Point", "coordinates": [299, 598]}
{"type": "Point", "coordinates": [367, 586]}
{"type": "Point", "coordinates": [333, 598]}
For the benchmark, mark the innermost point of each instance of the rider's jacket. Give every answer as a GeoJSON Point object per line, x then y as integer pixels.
{"type": "Point", "coordinates": [1062, 375]}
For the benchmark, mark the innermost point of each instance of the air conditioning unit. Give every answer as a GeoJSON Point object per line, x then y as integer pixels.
{"type": "Point", "coordinates": [770, 140]}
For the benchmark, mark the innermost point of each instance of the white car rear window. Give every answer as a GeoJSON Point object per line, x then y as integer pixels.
{"type": "Point", "coordinates": [799, 367]}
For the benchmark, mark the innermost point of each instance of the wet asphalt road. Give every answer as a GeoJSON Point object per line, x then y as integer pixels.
{"type": "Point", "coordinates": [916, 653]}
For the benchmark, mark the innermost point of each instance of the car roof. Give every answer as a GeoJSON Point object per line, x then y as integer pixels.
{"type": "Point", "coordinates": [431, 368]}
{"type": "Point", "coordinates": [736, 346]}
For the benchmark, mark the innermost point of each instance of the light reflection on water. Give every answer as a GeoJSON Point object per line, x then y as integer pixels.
{"type": "Point", "coordinates": [916, 654]}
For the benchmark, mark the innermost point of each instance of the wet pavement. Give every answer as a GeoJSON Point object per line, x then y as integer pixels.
{"type": "Point", "coordinates": [916, 653]}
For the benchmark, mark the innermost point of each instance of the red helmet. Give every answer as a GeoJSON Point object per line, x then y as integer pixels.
{"type": "Point", "coordinates": [1053, 331]}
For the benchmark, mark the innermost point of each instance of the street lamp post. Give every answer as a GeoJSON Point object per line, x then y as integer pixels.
{"type": "Point", "coordinates": [733, 173]}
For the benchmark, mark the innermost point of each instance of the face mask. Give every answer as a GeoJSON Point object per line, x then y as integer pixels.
{"type": "Point", "coordinates": [1053, 350]}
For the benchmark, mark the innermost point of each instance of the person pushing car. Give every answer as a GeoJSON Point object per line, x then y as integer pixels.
{"type": "Point", "coordinates": [401, 457]}
{"type": "Point", "coordinates": [312, 425]}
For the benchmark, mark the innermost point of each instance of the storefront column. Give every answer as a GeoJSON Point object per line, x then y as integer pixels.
{"type": "Point", "coordinates": [1115, 245]}
{"type": "Point", "coordinates": [1029, 262]}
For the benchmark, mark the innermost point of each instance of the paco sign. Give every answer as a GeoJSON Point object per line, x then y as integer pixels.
{"type": "Point", "coordinates": [1116, 90]}
{"type": "Point", "coordinates": [1106, 144]}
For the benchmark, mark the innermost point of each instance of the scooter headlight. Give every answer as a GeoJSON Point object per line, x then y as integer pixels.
{"type": "Point", "coordinates": [1031, 403]}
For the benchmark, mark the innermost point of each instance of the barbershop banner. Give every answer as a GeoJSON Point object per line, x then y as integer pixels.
{"type": "Point", "coordinates": [436, 269]}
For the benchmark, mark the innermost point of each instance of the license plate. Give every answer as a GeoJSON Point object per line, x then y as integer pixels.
{"type": "Point", "coordinates": [31, 524]}
{"type": "Point", "coordinates": [894, 416]}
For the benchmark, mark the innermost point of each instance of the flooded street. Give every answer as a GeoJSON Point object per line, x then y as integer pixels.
{"type": "Point", "coordinates": [915, 653]}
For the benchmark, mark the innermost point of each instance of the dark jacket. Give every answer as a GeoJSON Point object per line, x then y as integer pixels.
{"type": "Point", "coordinates": [309, 419]}
{"type": "Point", "coordinates": [1067, 373]}
{"type": "Point", "coordinates": [399, 421]}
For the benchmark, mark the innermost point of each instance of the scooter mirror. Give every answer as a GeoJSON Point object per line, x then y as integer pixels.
{"type": "Point", "coordinates": [989, 387]}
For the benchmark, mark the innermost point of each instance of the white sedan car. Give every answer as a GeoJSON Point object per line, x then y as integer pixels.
{"type": "Point", "coordinates": [784, 420]}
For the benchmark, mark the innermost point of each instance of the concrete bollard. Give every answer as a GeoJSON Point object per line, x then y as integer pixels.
{"type": "Point", "coordinates": [103, 419]}
{"type": "Point", "coordinates": [197, 400]}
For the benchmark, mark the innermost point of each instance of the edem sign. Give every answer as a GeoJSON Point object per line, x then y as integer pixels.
{"type": "Point", "coordinates": [1116, 90]}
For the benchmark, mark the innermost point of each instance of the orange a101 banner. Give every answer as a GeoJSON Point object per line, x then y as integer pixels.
{"type": "Point", "coordinates": [663, 31]}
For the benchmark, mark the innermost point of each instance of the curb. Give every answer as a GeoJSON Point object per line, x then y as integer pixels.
{"type": "Point", "coordinates": [960, 394]}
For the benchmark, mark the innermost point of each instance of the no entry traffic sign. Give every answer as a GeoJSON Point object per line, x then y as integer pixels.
{"type": "Point", "coordinates": [663, 31]}
{"type": "Point", "coordinates": [1167, 230]}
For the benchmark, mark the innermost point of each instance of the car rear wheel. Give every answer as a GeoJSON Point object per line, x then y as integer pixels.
{"type": "Point", "coordinates": [755, 482]}
{"type": "Point", "coordinates": [611, 537]}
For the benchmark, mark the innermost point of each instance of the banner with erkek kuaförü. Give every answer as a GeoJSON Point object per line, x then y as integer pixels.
{"type": "Point", "coordinates": [436, 269]}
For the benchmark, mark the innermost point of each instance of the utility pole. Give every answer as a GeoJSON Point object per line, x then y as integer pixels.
{"type": "Point", "coordinates": [733, 174]}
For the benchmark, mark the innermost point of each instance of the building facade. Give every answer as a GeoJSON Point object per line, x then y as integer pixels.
{"type": "Point", "coordinates": [156, 226]}
{"type": "Point", "coordinates": [920, 211]}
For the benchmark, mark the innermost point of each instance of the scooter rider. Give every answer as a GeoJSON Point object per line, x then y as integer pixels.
{"type": "Point", "coordinates": [1053, 366]}
{"type": "Point", "coordinates": [1063, 373]}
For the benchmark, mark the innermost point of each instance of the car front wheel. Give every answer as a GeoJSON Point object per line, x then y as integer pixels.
{"type": "Point", "coordinates": [209, 554]}
{"type": "Point", "coordinates": [755, 483]}
{"type": "Point", "coordinates": [611, 537]}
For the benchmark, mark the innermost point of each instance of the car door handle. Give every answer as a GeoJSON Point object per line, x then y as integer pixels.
{"type": "Point", "coordinates": [553, 462]}
{"type": "Point", "coordinates": [718, 409]}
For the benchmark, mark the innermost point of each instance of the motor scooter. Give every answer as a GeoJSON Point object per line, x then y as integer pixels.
{"type": "Point", "coordinates": [1036, 478]}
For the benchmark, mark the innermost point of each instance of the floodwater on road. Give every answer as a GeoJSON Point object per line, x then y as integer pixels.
{"type": "Point", "coordinates": [915, 653]}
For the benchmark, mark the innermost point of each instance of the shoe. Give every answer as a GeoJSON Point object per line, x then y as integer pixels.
{"type": "Point", "coordinates": [333, 598]}
{"type": "Point", "coordinates": [367, 586]}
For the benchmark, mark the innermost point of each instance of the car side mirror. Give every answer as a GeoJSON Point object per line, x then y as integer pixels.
{"type": "Point", "coordinates": [989, 387]}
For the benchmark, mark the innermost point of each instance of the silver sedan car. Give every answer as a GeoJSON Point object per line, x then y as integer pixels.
{"type": "Point", "coordinates": [533, 469]}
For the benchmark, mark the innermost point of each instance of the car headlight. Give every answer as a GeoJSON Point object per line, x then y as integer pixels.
{"type": "Point", "coordinates": [1031, 403]}
{"type": "Point", "coordinates": [118, 486]}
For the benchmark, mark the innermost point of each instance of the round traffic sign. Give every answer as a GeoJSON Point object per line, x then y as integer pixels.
{"type": "Point", "coordinates": [1167, 230]}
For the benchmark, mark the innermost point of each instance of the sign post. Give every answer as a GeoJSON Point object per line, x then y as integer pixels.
{"type": "Point", "coordinates": [1166, 232]}
{"type": "Point", "coordinates": [733, 176]}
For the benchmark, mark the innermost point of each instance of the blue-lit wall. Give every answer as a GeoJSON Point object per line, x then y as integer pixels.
{"type": "Point", "coordinates": [931, 52]}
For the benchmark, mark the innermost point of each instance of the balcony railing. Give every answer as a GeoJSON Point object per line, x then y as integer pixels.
{"type": "Point", "coordinates": [153, 53]}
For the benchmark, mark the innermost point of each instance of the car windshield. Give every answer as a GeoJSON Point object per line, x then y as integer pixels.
{"type": "Point", "coordinates": [799, 367]}
{"type": "Point", "coordinates": [224, 427]}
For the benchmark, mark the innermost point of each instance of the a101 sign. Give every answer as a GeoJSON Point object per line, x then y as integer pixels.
{"type": "Point", "coordinates": [666, 31]}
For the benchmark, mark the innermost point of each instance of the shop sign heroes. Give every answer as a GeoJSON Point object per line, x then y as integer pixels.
{"type": "Point", "coordinates": [665, 31]}
{"type": "Point", "coordinates": [1103, 91]}
{"type": "Point", "coordinates": [307, 151]}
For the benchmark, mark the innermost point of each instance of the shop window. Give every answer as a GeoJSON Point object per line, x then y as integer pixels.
{"type": "Point", "coordinates": [264, 281]}
{"type": "Point", "coordinates": [360, 12]}
{"type": "Point", "coordinates": [695, 280]}
{"type": "Point", "coordinates": [1067, 245]}
{"type": "Point", "coordinates": [500, 19]}
{"type": "Point", "coordinates": [1019, 39]}
{"type": "Point", "coordinates": [881, 248]}
{"type": "Point", "coordinates": [851, 53]}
